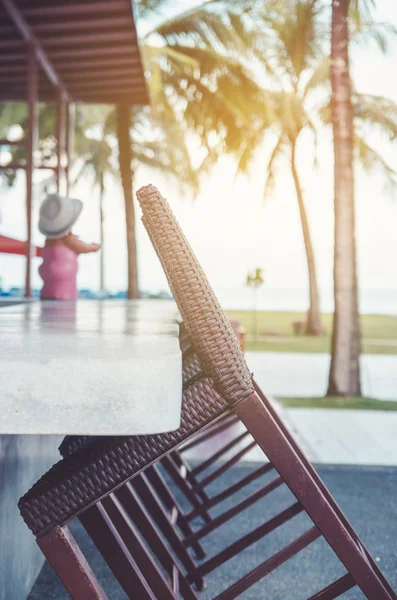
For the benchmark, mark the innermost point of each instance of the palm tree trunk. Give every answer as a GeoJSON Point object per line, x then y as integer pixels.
{"type": "Point", "coordinates": [344, 377]}
{"type": "Point", "coordinates": [102, 236]}
{"type": "Point", "coordinates": [313, 324]}
{"type": "Point", "coordinates": [126, 173]}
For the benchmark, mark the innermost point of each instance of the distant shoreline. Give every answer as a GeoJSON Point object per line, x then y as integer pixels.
{"type": "Point", "coordinates": [240, 298]}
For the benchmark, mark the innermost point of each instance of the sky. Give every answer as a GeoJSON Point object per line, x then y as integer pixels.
{"type": "Point", "coordinates": [230, 226]}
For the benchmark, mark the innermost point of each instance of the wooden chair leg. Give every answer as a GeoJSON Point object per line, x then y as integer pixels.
{"type": "Point", "coordinates": [190, 474]}
{"type": "Point", "coordinates": [143, 558]}
{"type": "Point", "coordinates": [110, 544]}
{"type": "Point", "coordinates": [232, 489]}
{"type": "Point", "coordinates": [64, 555]}
{"type": "Point", "coordinates": [319, 482]}
{"type": "Point", "coordinates": [187, 473]}
{"type": "Point", "coordinates": [154, 507]}
{"type": "Point", "coordinates": [296, 471]}
{"type": "Point", "coordinates": [167, 498]}
{"type": "Point", "coordinates": [137, 509]}
{"type": "Point", "coordinates": [185, 487]}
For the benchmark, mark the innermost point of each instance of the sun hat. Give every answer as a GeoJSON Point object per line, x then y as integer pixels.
{"type": "Point", "coordinates": [58, 215]}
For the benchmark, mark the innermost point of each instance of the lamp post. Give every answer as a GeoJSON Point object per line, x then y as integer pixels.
{"type": "Point", "coordinates": [255, 280]}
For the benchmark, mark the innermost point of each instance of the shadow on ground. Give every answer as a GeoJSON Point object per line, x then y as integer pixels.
{"type": "Point", "coordinates": [367, 495]}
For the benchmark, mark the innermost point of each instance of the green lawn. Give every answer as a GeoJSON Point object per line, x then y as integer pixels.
{"type": "Point", "coordinates": [276, 335]}
{"type": "Point", "coordinates": [362, 403]}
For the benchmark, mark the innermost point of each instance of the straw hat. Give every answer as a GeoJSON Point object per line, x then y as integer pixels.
{"type": "Point", "coordinates": [58, 215]}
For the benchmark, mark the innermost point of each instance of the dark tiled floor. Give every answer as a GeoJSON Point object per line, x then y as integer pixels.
{"type": "Point", "coordinates": [367, 495]}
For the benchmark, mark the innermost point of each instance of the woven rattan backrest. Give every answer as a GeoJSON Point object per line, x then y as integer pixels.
{"type": "Point", "coordinates": [207, 325]}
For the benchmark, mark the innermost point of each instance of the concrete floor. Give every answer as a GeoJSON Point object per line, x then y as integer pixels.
{"type": "Point", "coordinates": [23, 459]}
{"type": "Point", "coordinates": [366, 495]}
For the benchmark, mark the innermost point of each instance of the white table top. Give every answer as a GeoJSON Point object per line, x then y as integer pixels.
{"type": "Point", "coordinates": [110, 367]}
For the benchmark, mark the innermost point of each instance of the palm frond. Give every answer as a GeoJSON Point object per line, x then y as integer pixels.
{"type": "Point", "coordinates": [145, 9]}
{"type": "Point", "coordinates": [11, 113]}
{"type": "Point", "coordinates": [272, 165]}
{"type": "Point", "coordinates": [361, 11]}
{"type": "Point", "coordinates": [80, 174]}
{"type": "Point", "coordinates": [207, 25]}
{"type": "Point", "coordinates": [373, 163]}
{"type": "Point", "coordinates": [297, 38]}
{"type": "Point", "coordinates": [291, 113]}
{"type": "Point", "coordinates": [250, 148]}
{"type": "Point", "coordinates": [319, 76]}
{"type": "Point", "coordinates": [324, 113]}
{"type": "Point", "coordinates": [96, 162]}
{"type": "Point", "coordinates": [313, 129]}
{"type": "Point", "coordinates": [381, 34]}
{"type": "Point", "coordinates": [377, 113]}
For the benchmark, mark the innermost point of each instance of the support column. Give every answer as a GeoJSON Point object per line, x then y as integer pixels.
{"type": "Point", "coordinates": [59, 134]}
{"type": "Point", "coordinates": [31, 145]}
{"type": "Point", "coordinates": [69, 141]}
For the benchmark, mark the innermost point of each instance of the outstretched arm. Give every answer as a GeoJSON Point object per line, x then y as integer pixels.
{"type": "Point", "coordinates": [80, 247]}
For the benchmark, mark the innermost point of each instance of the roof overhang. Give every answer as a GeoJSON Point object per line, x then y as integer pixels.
{"type": "Point", "coordinates": [86, 49]}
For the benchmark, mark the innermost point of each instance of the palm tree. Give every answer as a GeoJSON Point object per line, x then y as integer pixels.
{"type": "Point", "coordinates": [15, 113]}
{"type": "Point", "coordinates": [288, 42]}
{"type": "Point", "coordinates": [353, 115]}
{"type": "Point", "coordinates": [126, 173]}
{"type": "Point", "coordinates": [288, 46]}
{"type": "Point", "coordinates": [344, 375]}
{"type": "Point", "coordinates": [184, 80]}
{"type": "Point", "coordinates": [142, 140]}
{"type": "Point", "coordinates": [97, 164]}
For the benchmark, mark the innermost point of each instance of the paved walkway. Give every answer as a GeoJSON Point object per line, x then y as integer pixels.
{"type": "Point", "coordinates": [305, 374]}
{"type": "Point", "coordinates": [354, 437]}
{"type": "Point", "coordinates": [344, 437]}
{"type": "Point", "coordinates": [358, 437]}
{"type": "Point", "coordinates": [336, 437]}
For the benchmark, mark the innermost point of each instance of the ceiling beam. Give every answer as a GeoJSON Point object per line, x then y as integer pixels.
{"type": "Point", "coordinates": [77, 9]}
{"type": "Point", "coordinates": [6, 30]}
{"type": "Point", "coordinates": [90, 38]}
{"type": "Point", "coordinates": [98, 63]}
{"type": "Point", "coordinates": [17, 91]}
{"type": "Point", "coordinates": [15, 56]}
{"type": "Point", "coordinates": [92, 90]}
{"type": "Point", "coordinates": [131, 99]}
{"type": "Point", "coordinates": [27, 34]}
{"type": "Point", "coordinates": [126, 75]}
{"type": "Point", "coordinates": [11, 69]}
{"type": "Point", "coordinates": [20, 143]}
{"type": "Point", "coordinates": [106, 23]}
{"type": "Point", "coordinates": [78, 37]}
{"type": "Point", "coordinates": [11, 44]}
{"type": "Point", "coordinates": [87, 57]}
{"type": "Point", "coordinates": [13, 166]}
{"type": "Point", "coordinates": [71, 52]}
{"type": "Point", "coordinates": [84, 23]}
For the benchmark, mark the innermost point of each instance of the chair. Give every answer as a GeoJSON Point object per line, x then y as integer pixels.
{"type": "Point", "coordinates": [84, 484]}
{"type": "Point", "coordinates": [153, 489]}
{"type": "Point", "coordinates": [177, 467]}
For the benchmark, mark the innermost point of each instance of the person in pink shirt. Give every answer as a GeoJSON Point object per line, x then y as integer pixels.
{"type": "Point", "coordinates": [60, 253]}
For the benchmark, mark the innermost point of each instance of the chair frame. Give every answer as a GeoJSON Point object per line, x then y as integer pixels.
{"type": "Point", "coordinates": [98, 485]}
